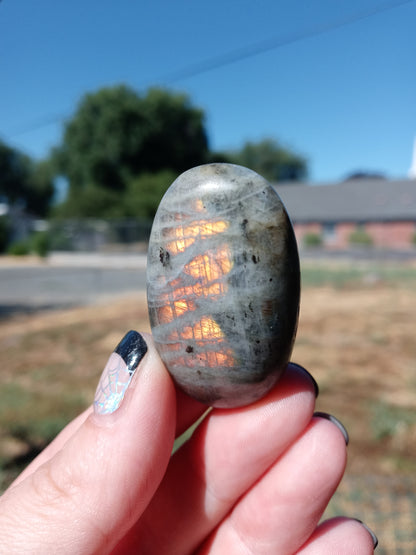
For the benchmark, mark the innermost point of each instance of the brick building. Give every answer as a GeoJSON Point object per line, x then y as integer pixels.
{"type": "Point", "coordinates": [375, 211]}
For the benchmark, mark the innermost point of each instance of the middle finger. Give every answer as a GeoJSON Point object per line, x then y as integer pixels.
{"type": "Point", "coordinates": [229, 452]}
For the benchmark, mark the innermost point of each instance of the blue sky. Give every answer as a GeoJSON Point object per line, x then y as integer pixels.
{"type": "Point", "coordinates": [344, 98]}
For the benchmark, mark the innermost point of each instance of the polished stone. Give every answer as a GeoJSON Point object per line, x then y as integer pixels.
{"type": "Point", "coordinates": [223, 284]}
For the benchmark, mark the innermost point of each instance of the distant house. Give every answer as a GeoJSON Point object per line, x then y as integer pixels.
{"type": "Point", "coordinates": [376, 211]}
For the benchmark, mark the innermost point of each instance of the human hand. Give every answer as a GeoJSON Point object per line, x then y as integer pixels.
{"type": "Point", "coordinates": [250, 480]}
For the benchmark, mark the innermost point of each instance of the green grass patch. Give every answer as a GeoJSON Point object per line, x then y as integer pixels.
{"type": "Point", "coordinates": [312, 240]}
{"type": "Point", "coordinates": [357, 275]}
{"type": "Point", "coordinates": [19, 248]}
{"type": "Point", "coordinates": [36, 416]}
{"type": "Point", "coordinates": [361, 238]}
{"type": "Point", "coordinates": [387, 421]}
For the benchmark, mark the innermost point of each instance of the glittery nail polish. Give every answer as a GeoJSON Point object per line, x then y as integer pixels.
{"type": "Point", "coordinates": [119, 372]}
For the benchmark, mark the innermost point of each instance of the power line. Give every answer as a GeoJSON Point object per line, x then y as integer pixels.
{"type": "Point", "coordinates": [273, 44]}
{"type": "Point", "coordinates": [237, 55]}
{"type": "Point", "coordinates": [42, 121]}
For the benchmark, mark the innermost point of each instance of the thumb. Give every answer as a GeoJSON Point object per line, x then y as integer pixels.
{"type": "Point", "coordinates": [86, 497]}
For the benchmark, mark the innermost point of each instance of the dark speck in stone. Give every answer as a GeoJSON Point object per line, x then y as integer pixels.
{"type": "Point", "coordinates": [164, 257]}
{"type": "Point", "coordinates": [189, 349]}
{"type": "Point", "coordinates": [244, 227]}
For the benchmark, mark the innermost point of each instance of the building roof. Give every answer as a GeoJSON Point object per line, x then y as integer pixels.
{"type": "Point", "coordinates": [357, 200]}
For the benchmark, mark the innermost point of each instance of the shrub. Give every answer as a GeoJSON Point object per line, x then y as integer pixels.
{"type": "Point", "coordinates": [38, 243]}
{"type": "Point", "coordinates": [19, 248]}
{"type": "Point", "coordinates": [145, 192]}
{"type": "Point", "coordinates": [360, 237]}
{"type": "Point", "coordinates": [312, 239]}
{"type": "Point", "coordinates": [41, 243]}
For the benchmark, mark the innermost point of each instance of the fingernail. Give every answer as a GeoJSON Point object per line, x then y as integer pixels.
{"type": "Point", "coordinates": [336, 422]}
{"type": "Point", "coordinates": [118, 372]}
{"type": "Point", "coordinates": [315, 384]}
{"type": "Point", "coordinates": [373, 536]}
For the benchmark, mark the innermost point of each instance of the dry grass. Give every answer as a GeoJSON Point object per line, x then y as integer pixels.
{"type": "Point", "coordinates": [358, 341]}
{"type": "Point", "coordinates": [50, 365]}
{"type": "Point", "coordinates": [360, 345]}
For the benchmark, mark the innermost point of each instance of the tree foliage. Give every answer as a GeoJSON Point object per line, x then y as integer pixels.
{"type": "Point", "coordinates": [145, 193]}
{"type": "Point", "coordinates": [40, 189]}
{"type": "Point", "coordinates": [14, 170]}
{"type": "Point", "coordinates": [25, 181]}
{"type": "Point", "coordinates": [270, 160]}
{"type": "Point", "coordinates": [92, 201]}
{"type": "Point", "coordinates": [139, 200]}
{"type": "Point", "coordinates": [121, 150]}
{"type": "Point", "coordinates": [116, 135]}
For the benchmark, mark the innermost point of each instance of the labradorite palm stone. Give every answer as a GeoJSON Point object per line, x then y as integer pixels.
{"type": "Point", "coordinates": [223, 284]}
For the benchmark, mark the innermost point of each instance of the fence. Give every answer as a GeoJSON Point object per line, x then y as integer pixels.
{"type": "Point", "coordinates": [98, 235]}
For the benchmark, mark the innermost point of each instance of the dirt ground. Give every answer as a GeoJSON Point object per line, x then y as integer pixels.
{"type": "Point", "coordinates": [361, 347]}
{"type": "Point", "coordinates": [358, 342]}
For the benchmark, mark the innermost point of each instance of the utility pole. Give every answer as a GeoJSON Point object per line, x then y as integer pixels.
{"type": "Point", "coordinates": [412, 170]}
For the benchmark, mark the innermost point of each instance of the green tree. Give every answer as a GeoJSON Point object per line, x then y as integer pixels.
{"type": "Point", "coordinates": [25, 181]}
{"type": "Point", "coordinates": [40, 188]}
{"type": "Point", "coordinates": [270, 160]}
{"type": "Point", "coordinates": [145, 192]}
{"type": "Point", "coordinates": [14, 174]}
{"type": "Point", "coordinates": [116, 135]}
{"type": "Point", "coordinates": [91, 201]}
{"type": "Point", "coordinates": [176, 139]}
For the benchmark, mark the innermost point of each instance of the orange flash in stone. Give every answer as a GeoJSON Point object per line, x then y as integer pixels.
{"type": "Point", "coordinates": [208, 271]}
{"type": "Point", "coordinates": [184, 237]}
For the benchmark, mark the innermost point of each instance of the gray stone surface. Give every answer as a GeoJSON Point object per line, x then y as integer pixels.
{"type": "Point", "coordinates": [223, 284]}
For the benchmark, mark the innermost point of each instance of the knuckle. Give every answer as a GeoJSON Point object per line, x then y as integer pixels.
{"type": "Point", "coordinates": [53, 484]}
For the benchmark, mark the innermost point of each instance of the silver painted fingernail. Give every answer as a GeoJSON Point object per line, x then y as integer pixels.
{"type": "Point", "coordinates": [119, 372]}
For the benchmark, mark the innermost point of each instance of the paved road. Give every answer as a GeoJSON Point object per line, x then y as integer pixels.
{"type": "Point", "coordinates": [67, 282]}
{"type": "Point", "coordinates": [75, 279]}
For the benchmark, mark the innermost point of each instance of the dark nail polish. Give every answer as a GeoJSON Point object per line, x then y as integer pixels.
{"type": "Point", "coordinates": [119, 372]}
{"type": "Point", "coordinates": [132, 349]}
{"type": "Point", "coordinates": [373, 536]}
{"type": "Point", "coordinates": [336, 422]}
{"type": "Point", "coordinates": [315, 384]}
